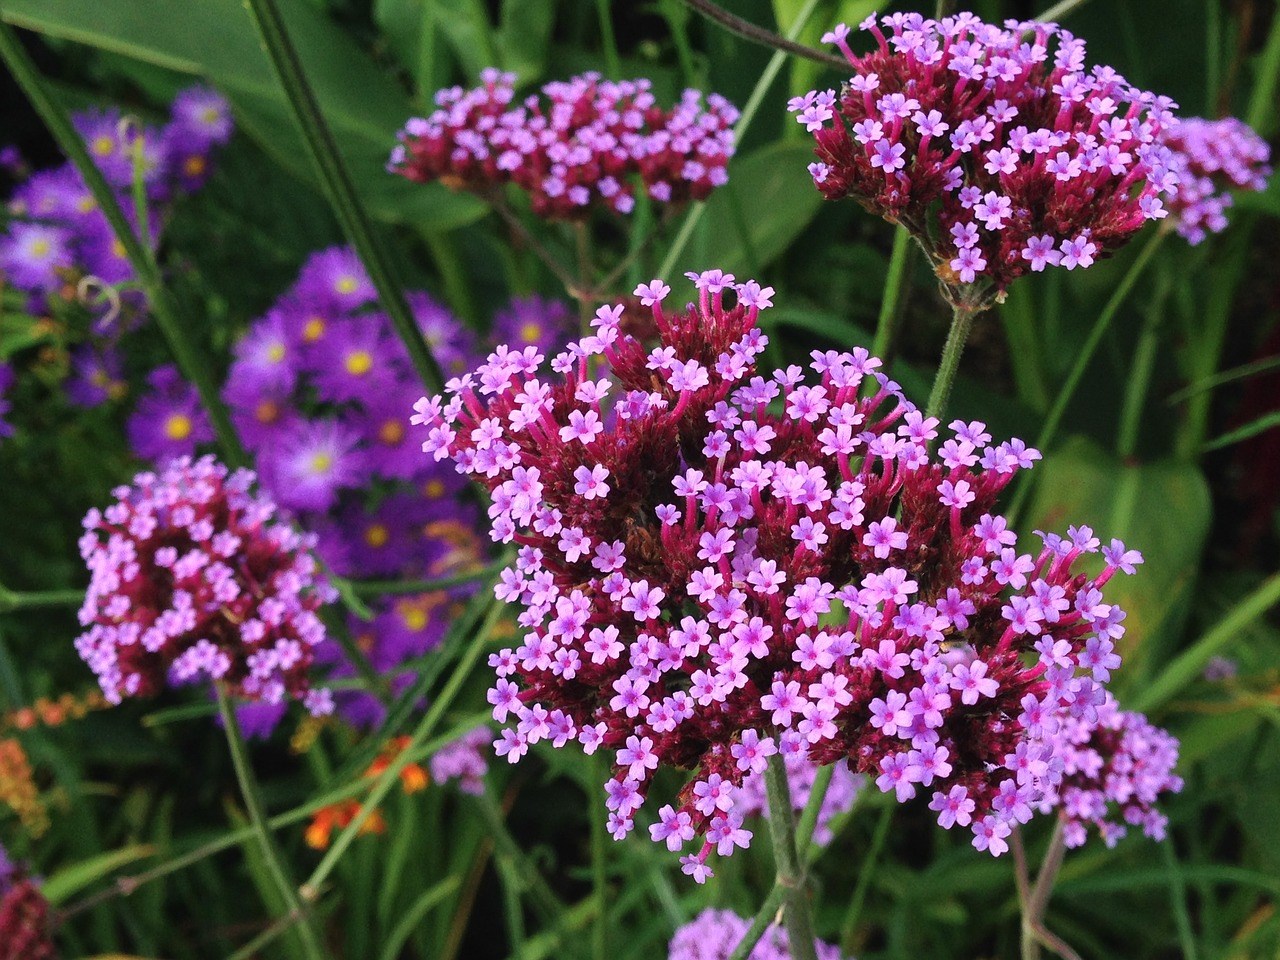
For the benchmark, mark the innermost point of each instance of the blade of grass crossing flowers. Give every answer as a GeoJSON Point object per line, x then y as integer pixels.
{"type": "Point", "coordinates": [749, 111]}
{"type": "Point", "coordinates": [261, 831]}
{"type": "Point", "coordinates": [340, 189]}
{"type": "Point", "coordinates": [140, 257]}
{"type": "Point", "coordinates": [428, 724]}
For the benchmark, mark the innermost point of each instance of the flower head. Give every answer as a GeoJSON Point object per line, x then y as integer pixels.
{"type": "Point", "coordinates": [772, 559]}
{"type": "Point", "coordinates": [25, 928]}
{"type": "Point", "coordinates": [996, 147]}
{"type": "Point", "coordinates": [578, 144]}
{"type": "Point", "coordinates": [1212, 158]}
{"type": "Point", "coordinates": [194, 577]}
{"type": "Point", "coordinates": [714, 934]}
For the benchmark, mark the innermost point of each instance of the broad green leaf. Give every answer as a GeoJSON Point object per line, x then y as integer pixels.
{"type": "Point", "coordinates": [72, 879]}
{"type": "Point", "coordinates": [215, 39]}
{"type": "Point", "coordinates": [1162, 509]}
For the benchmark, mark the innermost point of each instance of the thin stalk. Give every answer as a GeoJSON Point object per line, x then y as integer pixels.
{"type": "Point", "coordinates": [549, 906]}
{"type": "Point", "coordinates": [1034, 931]}
{"type": "Point", "coordinates": [612, 62]}
{"type": "Point", "coordinates": [961, 324]}
{"type": "Point", "coordinates": [1242, 372]}
{"type": "Point", "coordinates": [1139, 385]}
{"type": "Point", "coordinates": [256, 812]}
{"type": "Point", "coordinates": [749, 111]}
{"type": "Point", "coordinates": [757, 34]}
{"type": "Point", "coordinates": [849, 928]}
{"type": "Point", "coordinates": [894, 286]}
{"type": "Point", "coordinates": [1059, 10]}
{"type": "Point", "coordinates": [425, 727]}
{"type": "Point", "coordinates": [1049, 432]}
{"type": "Point", "coordinates": [599, 858]}
{"type": "Point", "coordinates": [340, 189]}
{"type": "Point", "coordinates": [163, 308]}
{"type": "Point", "coordinates": [791, 875]}
{"type": "Point", "coordinates": [808, 821]}
{"type": "Point", "coordinates": [273, 932]}
{"type": "Point", "coordinates": [562, 273]}
{"type": "Point", "coordinates": [11, 600]}
{"type": "Point", "coordinates": [765, 917]}
{"type": "Point", "coordinates": [390, 588]}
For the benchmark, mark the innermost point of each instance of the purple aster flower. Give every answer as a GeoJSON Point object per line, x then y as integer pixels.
{"type": "Point", "coordinates": [97, 375]}
{"type": "Point", "coordinates": [354, 361]}
{"type": "Point", "coordinates": [534, 321]}
{"type": "Point", "coordinates": [33, 254]}
{"type": "Point", "coordinates": [203, 115]}
{"type": "Point", "coordinates": [267, 355]}
{"type": "Point", "coordinates": [453, 345]}
{"type": "Point", "coordinates": [335, 280]}
{"type": "Point", "coordinates": [312, 461]}
{"type": "Point", "coordinates": [169, 421]}
{"type": "Point", "coordinates": [384, 421]}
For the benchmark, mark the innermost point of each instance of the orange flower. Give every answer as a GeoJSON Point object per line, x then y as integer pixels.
{"type": "Point", "coordinates": [413, 778]}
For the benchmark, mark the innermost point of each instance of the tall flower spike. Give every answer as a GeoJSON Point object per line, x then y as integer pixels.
{"type": "Point", "coordinates": [579, 144]}
{"type": "Point", "coordinates": [1000, 156]}
{"type": "Point", "coordinates": [716, 565]}
{"type": "Point", "coordinates": [1115, 768]}
{"type": "Point", "coordinates": [194, 577]}
{"type": "Point", "coordinates": [1212, 158]}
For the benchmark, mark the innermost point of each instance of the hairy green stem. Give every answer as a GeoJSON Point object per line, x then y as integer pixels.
{"type": "Point", "coordinates": [952, 350]}
{"type": "Point", "coordinates": [790, 871]}
{"type": "Point", "coordinates": [256, 812]}
{"type": "Point", "coordinates": [760, 924]}
{"type": "Point", "coordinates": [599, 857]}
{"type": "Point", "coordinates": [163, 308]}
{"type": "Point", "coordinates": [339, 187]}
{"type": "Point", "coordinates": [895, 284]}
{"type": "Point", "coordinates": [808, 821]}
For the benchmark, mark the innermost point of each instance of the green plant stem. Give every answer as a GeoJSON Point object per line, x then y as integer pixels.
{"type": "Point", "coordinates": [339, 187]}
{"type": "Point", "coordinates": [1060, 10]}
{"type": "Point", "coordinates": [849, 928]}
{"type": "Point", "coordinates": [1142, 367]}
{"type": "Point", "coordinates": [1034, 931]}
{"type": "Point", "coordinates": [1189, 664]}
{"type": "Point", "coordinates": [612, 62]}
{"type": "Point", "coordinates": [757, 34]}
{"type": "Point", "coordinates": [273, 932]}
{"type": "Point", "coordinates": [1049, 432]}
{"type": "Point", "coordinates": [163, 308]}
{"type": "Point", "coordinates": [808, 821]}
{"type": "Point", "coordinates": [1242, 372]}
{"type": "Point", "coordinates": [11, 600]}
{"type": "Point", "coordinates": [760, 924]}
{"type": "Point", "coordinates": [749, 111]}
{"type": "Point", "coordinates": [791, 874]}
{"type": "Point", "coordinates": [549, 906]}
{"type": "Point", "coordinates": [895, 284]}
{"type": "Point", "coordinates": [961, 324]}
{"type": "Point", "coordinates": [599, 857]}
{"type": "Point", "coordinates": [274, 859]}
{"type": "Point", "coordinates": [424, 729]}
{"type": "Point", "coordinates": [391, 588]}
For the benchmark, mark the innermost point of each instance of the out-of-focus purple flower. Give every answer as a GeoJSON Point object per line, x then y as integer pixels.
{"type": "Point", "coordinates": [203, 115]}
{"type": "Point", "coordinates": [1220, 668]}
{"type": "Point", "coordinates": [6, 384]}
{"type": "Point", "coordinates": [1115, 768]}
{"type": "Point", "coordinates": [266, 356]}
{"type": "Point", "coordinates": [453, 345]}
{"type": "Point", "coordinates": [996, 147]}
{"type": "Point", "coordinates": [11, 160]}
{"type": "Point", "coordinates": [169, 420]}
{"type": "Point", "coordinates": [464, 760]}
{"type": "Point", "coordinates": [534, 321]}
{"type": "Point", "coordinates": [354, 361]}
{"type": "Point", "coordinates": [32, 255]}
{"type": "Point", "coordinates": [193, 577]}
{"type": "Point", "coordinates": [97, 375]}
{"type": "Point", "coordinates": [579, 144]}
{"type": "Point", "coordinates": [1212, 158]}
{"type": "Point", "coordinates": [335, 280]}
{"type": "Point", "coordinates": [714, 934]}
{"type": "Point", "coordinates": [316, 459]}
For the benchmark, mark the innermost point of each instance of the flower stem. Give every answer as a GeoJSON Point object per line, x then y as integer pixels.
{"type": "Point", "coordinates": [424, 729]}
{"type": "Point", "coordinates": [1049, 432]}
{"type": "Point", "coordinates": [271, 854]}
{"type": "Point", "coordinates": [791, 876]}
{"type": "Point", "coordinates": [894, 287]}
{"type": "Point", "coordinates": [599, 859]}
{"type": "Point", "coordinates": [764, 918]}
{"type": "Point", "coordinates": [1142, 367]}
{"type": "Point", "coordinates": [849, 928]}
{"type": "Point", "coordinates": [961, 323]}
{"type": "Point", "coordinates": [340, 189]}
{"type": "Point", "coordinates": [11, 600]}
{"type": "Point", "coordinates": [141, 258]}
{"type": "Point", "coordinates": [756, 34]}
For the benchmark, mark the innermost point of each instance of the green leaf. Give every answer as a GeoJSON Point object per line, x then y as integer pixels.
{"type": "Point", "coordinates": [1161, 508]}
{"type": "Point", "coordinates": [215, 39]}
{"type": "Point", "coordinates": [71, 880]}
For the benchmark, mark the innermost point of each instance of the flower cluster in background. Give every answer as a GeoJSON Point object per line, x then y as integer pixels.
{"type": "Point", "coordinates": [57, 235]}
{"type": "Point", "coordinates": [1000, 156]}
{"type": "Point", "coordinates": [578, 144]}
{"type": "Point", "coordinates": [711, 560]}
{"type": "Point", "coordinates": [1213, 157]}
{"type": "Point", "coordinates": [1115, 767]}
{"type": "Point", "coordinates": [751, 798]}
{"type": "Point", "coordinates": [24, 915]}
{"type": "Point", "coordinates": [194, 577]}
{"type": "Point", "coordinates": [714, 934]}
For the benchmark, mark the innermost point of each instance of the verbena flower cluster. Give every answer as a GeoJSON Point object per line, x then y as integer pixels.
{"type": "Point", "coordinates": [711, 560]}
{"type": "Point", "coordinates": [1213, 157]}
{"type": "Point", "coordinates": [320, 390]}
{"type": "Point", "coordinates": [58, 235]}
{"type": "Point", "coordinates": [195, 577]}
{"type": "Point", "coordinates": [24, 915]}
{"type": "Point", "coordinates": [1000, 154]}
{"type": "Point", "coordinates": [751, 798]}
{"type": "Point", "coordinates": [1116, 766]}
{"type": "Point", "coordinates": [579, 144]}
{"type": "Point", "coordinates": [715, 934]}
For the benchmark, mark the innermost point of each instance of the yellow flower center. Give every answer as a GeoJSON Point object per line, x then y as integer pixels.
{"type": "Point", "coordinates": [321, 462]}
{"type": "Point", "coordinates": [347, 284]}
{"type": "Point", "coordinates": [116, 389]}
{"type": "Point", "coordinates": [530, 332]}
{"type": "Point", "coordinates": [358, 362]}
{"type": "Point", "coordinates": [313, 330]}
{"type": "Point", "coordinates": [194, 166]}
{"type": "Point", "coordinates": [415, 618]}
{"type": "Point", "coordinates": [275, 352]}
{"type": "Point", "coordinates": [178, 426]}
{"type": "Point", "coordinates": [40, 248]}
{"type": "Point", "coordinates": [433, 489]}
{"type": "Point", "coordinates": [391, 432]}
{"type": "Point", "coordinates": [104, 146]}
{"type": "Point", "coordinates": [210, 115]}
{"type": "Point", "coordinates": [268, 411]}
{"type": "Point", "coordinates": [117, 249]}
{"type": "Point", "coordinates": [377, 535]}
{"type": "Point", "coordinates": [86, 204]}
